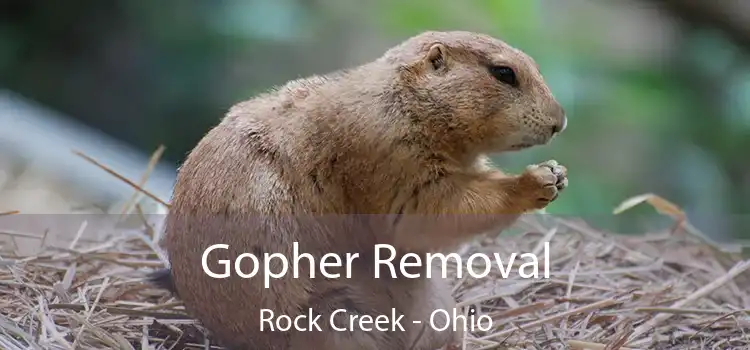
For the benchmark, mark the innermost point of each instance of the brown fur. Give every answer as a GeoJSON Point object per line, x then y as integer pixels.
{"type": "Point", "coordinates": [406, 134]}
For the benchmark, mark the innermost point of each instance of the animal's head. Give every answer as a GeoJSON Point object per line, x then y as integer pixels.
{"type": "Point", "coordinates": [478, 90]}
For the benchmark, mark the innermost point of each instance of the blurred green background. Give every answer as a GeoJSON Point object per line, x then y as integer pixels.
{"type": "Point", "coordinates": [657, 92]}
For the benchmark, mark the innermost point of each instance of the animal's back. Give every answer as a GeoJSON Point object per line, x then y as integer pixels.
{"type": "Point", "coordinates": [276, 188]}
{"type": "Point", "coordinates": [240, 210]}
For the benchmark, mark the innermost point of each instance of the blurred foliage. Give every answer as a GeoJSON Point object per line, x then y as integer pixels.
{"type": "Point", "coordinates": [164, 72]}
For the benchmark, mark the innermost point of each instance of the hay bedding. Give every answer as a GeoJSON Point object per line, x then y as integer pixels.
{"type": "Point", "coordinates": [667, 290]}
{"type": "Point", "coordinates": [659, 291]}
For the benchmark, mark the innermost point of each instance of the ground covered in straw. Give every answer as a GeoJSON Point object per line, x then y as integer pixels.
{"type": "Point", "coordinates": [658, 291]}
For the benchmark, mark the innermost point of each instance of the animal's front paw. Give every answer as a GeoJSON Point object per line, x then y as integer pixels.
{"type": "Point", "coordinates": [541, 183]}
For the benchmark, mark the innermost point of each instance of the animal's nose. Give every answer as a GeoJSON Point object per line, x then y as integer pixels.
{"type": "Point", "coordinates": [560, 127]}
{"type": "Point", "coordinates": [562, 121]}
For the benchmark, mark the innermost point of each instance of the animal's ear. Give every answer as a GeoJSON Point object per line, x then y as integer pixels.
{"type": "Point", "coordinates": [436, 57]}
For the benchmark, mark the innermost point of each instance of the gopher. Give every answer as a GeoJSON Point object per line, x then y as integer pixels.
{"type": "Point", "coordinates": [394, 151]}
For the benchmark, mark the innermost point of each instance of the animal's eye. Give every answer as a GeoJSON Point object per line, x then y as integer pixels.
{"type": "Point", "coordinates": [504, 74]}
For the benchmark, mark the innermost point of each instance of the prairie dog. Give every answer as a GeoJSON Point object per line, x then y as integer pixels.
{"type": "Point", "coordinates": [390, 152]}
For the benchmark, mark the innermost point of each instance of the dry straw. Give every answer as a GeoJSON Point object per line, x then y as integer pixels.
{"type": "Point", "coordinates": [663, 290]}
